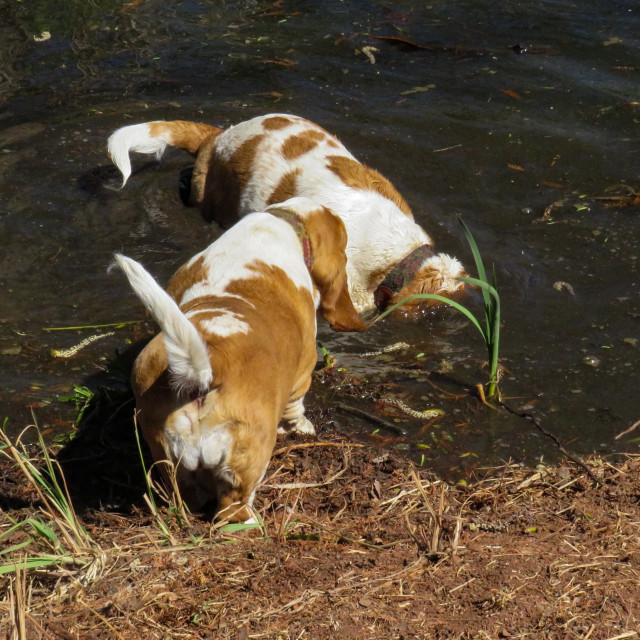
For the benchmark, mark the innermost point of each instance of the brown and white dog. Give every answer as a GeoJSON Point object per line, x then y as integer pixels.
{"type": "Point", "coordinates": [237, 348]}
{"type": "Point", "coordinates": [271, 158]}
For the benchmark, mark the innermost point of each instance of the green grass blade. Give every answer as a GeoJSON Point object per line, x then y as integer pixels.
{"type": "Point", "coordinates": [60, 498]}
{"type": "Point", "coordinates": [433, 296]}
{"type": "Point", "coordinates": [152, 502]}
{"type": "Point", "coordinates": [148, 496]}
{"type": "Point", "coordinates": [42, 530]}
{"type": "Point", "coordinates": [482, 275]}
{"type": "Point", "coordinates": [492, 316]}
{"type": "Point", "coordinates": [234, 527]}
{"type": "Point", "coordinates": [38, 562]}
{"type": "Point", "coordinates": [117, 325]}
{"type": "Point", "coordinates": [483, 284]}
{"type": "Point", "coordinates": [15, 547]}
{"type": "Point", "coordinates": [38, 532]}
{"type": "Point", "coordinates": [490, 310]}
{"type": "Point", "coordinates": [495, 344]}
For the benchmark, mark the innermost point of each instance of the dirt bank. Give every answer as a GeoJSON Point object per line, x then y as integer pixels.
{"type": "Point", "coordinates": [356, 543]}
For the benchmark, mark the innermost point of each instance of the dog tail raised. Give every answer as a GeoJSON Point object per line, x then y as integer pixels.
{"type": "Point", "coordinates": [153, 138]}
{"type": "Point", "coordinates": [187, 354]}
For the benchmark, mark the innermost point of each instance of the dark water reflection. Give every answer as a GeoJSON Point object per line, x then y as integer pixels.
{"type": "Point", "coordinates": [461, 123]}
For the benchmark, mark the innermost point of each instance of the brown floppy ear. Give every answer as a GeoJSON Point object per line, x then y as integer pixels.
{"type": "Point", "coordinates": [337, 309]}
{"type": "Point", "coordinates": [329, 270]}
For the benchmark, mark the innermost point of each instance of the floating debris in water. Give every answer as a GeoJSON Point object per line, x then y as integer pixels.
{"type": "Point", "coordinates": [398, 346]}
{"type": "Point", "coordinates": [428, 413]}
{"type": "Point", "coordinates": [561, 284]}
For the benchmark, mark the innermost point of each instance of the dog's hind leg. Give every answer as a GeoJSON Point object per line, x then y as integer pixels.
{"type": "Point", "coordinates": [295, 420]}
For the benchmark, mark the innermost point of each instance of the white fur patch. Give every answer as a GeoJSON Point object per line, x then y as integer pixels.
{"type": "Point", "coordinates": [225, 323]}
{"type": "Point", "coordinates": [294, 417]}
{"type": "Point", "coordinates": [449, 269]}
{"type": "Point", "coordinates": [208, 451]}
{"type": "Point", "coordinates": [215, 446]}
{"type": "Point", "coordinates": [302, 425]}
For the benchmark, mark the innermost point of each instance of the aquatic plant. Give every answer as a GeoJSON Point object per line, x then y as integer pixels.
{"type": "Point", "coordinates": [81, 397]}
{"type": "Point", "coordinates": [491, 330]}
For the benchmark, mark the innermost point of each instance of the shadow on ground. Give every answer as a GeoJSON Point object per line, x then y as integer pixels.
{"type": "Point", "coordinates": [102, 464]}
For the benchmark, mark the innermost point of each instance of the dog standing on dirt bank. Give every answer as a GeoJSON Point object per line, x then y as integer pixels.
{"type": "Point", "coordinates": [237, 349]}
{"type": "Point", "coordinates": [271, 158]}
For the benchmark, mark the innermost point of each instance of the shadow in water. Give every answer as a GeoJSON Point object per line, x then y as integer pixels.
{"type": "Point", "coordinates": [105, 179]}
{"type": "Point", "coordinates": [99, 181]}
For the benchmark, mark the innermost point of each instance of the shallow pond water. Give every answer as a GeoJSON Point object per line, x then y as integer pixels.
{"type": "Point", "coordinates": [524, 120]}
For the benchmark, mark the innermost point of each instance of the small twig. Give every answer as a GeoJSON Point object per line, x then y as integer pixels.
{"type": "Point", "coordinates": [368, 416]}
{"type": "Point", "coordinates": [629, 430]}
{"type": "Point", "coordinates": [483, 397]}
{"type": "Point", "coordinates": [464, 584]}
{"type": "Point", "coordinates": [307, 485]}
{"type": "Point", "coordinates": [118, 325]}
{"type": "Point", "coordinates": [551, 436]}
{"type": "Point", "coordinates": [306, 445]}
{"type": "Point", "coordinates": [627, 634]}
{"type": "Point", "coordinates": [455, 146]}
{"type": "Point", "coordinates": [18, 603]}
{"type": "Point", "coordinates": [43, 631]}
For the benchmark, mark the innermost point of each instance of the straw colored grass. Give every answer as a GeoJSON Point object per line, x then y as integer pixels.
{"type": "Point", "coordinates": [357, 543]}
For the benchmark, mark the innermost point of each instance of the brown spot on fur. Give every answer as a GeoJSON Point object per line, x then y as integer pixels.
{"type": "Point", "coordinates": [286, 188]}
{"type": "Point", "coordinates": [185, 277]}
{"type": "Point", "coordinates": [183, 134]}
{"type": "Point", "coordinates": [276, 122]}
{"type": "Point", "coordinates": [242, 159]}
{"type": "Point", "coordinates": [356, 175]}
{"type": "Point", "coordinates": [225, 181]}
{"type": "Point", "coordinates": [148, 371]}
{"type": "Point", "coordinates": [295, 146]}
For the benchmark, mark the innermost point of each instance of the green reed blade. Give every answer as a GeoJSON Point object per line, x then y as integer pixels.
{"type": "Point", "coordinates": [433, 296]}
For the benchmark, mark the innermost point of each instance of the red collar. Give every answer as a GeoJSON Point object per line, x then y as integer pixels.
{"type": "Point", "coordinates": [299, 227]}
{"type": "Point", "coordinates": [401, 274]}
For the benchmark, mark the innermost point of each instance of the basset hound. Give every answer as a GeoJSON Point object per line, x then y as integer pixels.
{"type": "Point", "coordinates": [271, 158]}
{"type": "Point", "coordinates": [237, 348]}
